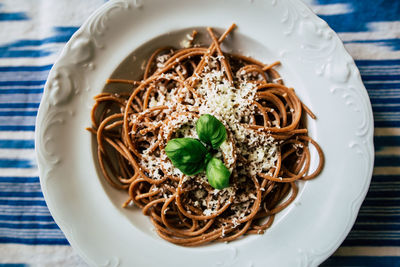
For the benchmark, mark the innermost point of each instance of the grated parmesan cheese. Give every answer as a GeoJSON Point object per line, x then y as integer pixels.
{"type": "Point", "coordinates": [233, 105]}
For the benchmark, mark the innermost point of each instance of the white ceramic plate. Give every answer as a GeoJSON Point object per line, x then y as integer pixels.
{"type": "Point", "coordinates": [314, 62]}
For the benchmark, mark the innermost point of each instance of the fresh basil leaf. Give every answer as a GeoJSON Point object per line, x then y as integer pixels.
{"type": "Point", "coordinates": [207, 159]}
{"type": "Point", "coordinates": [217, 174]}
{"type": "Point", "coordinates": [210, 130]}
{"type": "Point", "coordinates": [187, 154]}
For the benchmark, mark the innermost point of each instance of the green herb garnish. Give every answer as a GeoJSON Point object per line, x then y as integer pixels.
{"type": "Point", "coordinates": [187, 154]}
{"type": "Point", "coordinates": [217, 174]}
{"type": "Point", "coordinates": [191, 157]}
{"type": "Point", "coordinates": [210, 130]}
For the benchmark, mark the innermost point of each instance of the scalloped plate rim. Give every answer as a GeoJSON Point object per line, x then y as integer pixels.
{"type": "Point", "coordinates": [42, 163]}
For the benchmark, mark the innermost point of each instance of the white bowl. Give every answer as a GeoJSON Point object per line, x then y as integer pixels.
{"type": "Point", "coordinates": [314, 62]}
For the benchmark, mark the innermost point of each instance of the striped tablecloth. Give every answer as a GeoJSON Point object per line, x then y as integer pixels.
{"type": "Point", "coordinates": [32, 34]}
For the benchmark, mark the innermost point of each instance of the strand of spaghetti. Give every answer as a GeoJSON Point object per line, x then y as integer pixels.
{"type": "Point", "coordinates": [133, 186]}
{"type": "Point", "coordinates": [151, 59]}
{"type": "Point", "coordinates": [309, 112]}
{"type": "Point", "coordinates": [147, 96]}
{"type": "Point", "coordinates": [139, 168]}
{"type": "Point", "coordinates": [227, 68]}
{"type": "Point", "coordinates": [148, 194]}
{"type": "Point", "coordinates": [123, 81]}
{"type": "Point", "coordinates": [295, 120]}
{"type": "Point", "coordinates": [101, 128]}
{"type": "Point", "coordinates": [197, 217]}
{"type": "Point", "coordinates": [274, 76]}
{"type": "Point", "coordinates": [105, 173]}
{"type": "Point", "coordinates": [124, 171]}
{"type": "Point", "coordinates": [265, 95]}
{"type": "Point", "coordinates": [237, 234]}
{"type": "Point", "coordinates": [193, 241]}
{"type": "Point", "coordinates": [190, 232]}
{"type": "Point", "coordinates": [178, 59]}
{"type": "Point", "coordinates": [258, 229]}
{"type": "Point", "coordinates": [282, 179]}
{"type": "Point", "coordinates": [270, 85]}
{"type": "Point", "coordinates": [197, 50]}
{"type": "Point", "coordinates": [248, 59]}
{"type": "Point", "coordinates": [263, 112]}
{"type": "Point", "coordinates": [256, 204]}
{"type": "Point", "coordinates": [152, 203]}
{"type": "Point", "coordinates": [130, 180]}
{"type": "Point", "coordinates": [270, 66]}
{"type": "Point", "coordinates": [252, 68]}
{"type": "Point", "coordinates": [320, 156]}
{"type": "Point", "coordinates": [210, 51]}
{"type": "Point", "coordinates": [110, 98]}
{"type": "Point", "coordinates": [287, 202]}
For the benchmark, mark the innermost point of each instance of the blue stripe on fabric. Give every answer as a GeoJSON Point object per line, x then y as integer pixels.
{"type": "Point", "coordinates": [13, 265]}
{"type": "Point", "coordinates": [362, 261]}
{"type": "Point", "coordinates": [381, 77]}
{"type": "Point", "coordinates": [61, 35]}
{"type": "Point", "coordinates": [17, 188]}
{"type": "Point", "coordinates": [21, 194]}
{"type": "Point", "coordinates": [24, 53]}
{"type": "Point", "coordinates": [385, 141]}
{"type": "Point", "coordinates": [394, 100]}
{"type": "Point", "coordinates": [381, 202]}
{"type": "Point", "coordinates": [377, 62]}
{"type": "Point", "coordinates": [383, 160]}
{"type": "Point", "coordinates": [361, 14]}
{"type": "Point", "coordinates": [386, 109]}
{"type": "Point", "coordinates": [385, 178]}
{"type": "Point", "coordinates": [392, 43]}
{"type": "Point", "coordinates": [386, 235]}
{"type": "Point", "coordinates": [23, 202]}
{"type": "Point", "coordinates": [375, 86]}
{"type": "Point", "coordinates": [377, 219]}
{"type": "Point", "coordinates": [19, 98]}
{"type": "Point", "coordinates": [28, 226]}
{"type": "Point", "coordinates": [16, 16]}
{"type": "Point", "coordinates": [36, 241]}
{"type": "Point", "coordinates": [23, 83]}
{"type": "Point", "coordinates": [16, 179]}
{"type": "Point", "coordinates": [379, 211]}
{"type": "Point", "coordinates": [29, 128]}
{"type": "Point", "coordinates": [353, 241]}
{"type": "Point", "coordinates": [21, 91]}
{"type": "Point", "coordinates": [17, 120]}
{"type": "Point", "coordinates": [26, 68]}
{"type": "Point", "coordinates": [16, 163]}
{"type": "Point", "coordinates": [387, 193]}
{"type": "Point", "coordinates": [19, 105]}
{"type": "Point", "coordinates": [10, 143]}
{"type": "Point", "coordinates": [26, 218]}
{"type": "Point", "coordinates": [387, 124]}
{"type": "Point", "coordinates": [377, 227]}
{"type": "Point", "coordinates": [25, 75]}
{"type": "Point", "coordinates": [18, 113]}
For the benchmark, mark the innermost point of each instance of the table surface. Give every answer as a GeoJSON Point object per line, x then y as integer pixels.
{"type": "Point", "coordinates": [32, 34]}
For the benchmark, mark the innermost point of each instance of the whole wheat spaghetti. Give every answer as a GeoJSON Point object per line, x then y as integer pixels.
{"type": "Point", "coordinates": [267, 149]}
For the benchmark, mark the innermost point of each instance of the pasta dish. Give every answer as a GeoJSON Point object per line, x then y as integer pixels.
{"type": "Point", "coordinates": [210, 145]}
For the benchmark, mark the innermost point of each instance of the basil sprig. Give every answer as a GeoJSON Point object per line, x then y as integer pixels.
{"type": "Point", "coordinates": [187, 154]}
{"type": "Point", "coordinates": [217, 174]}
{"type": "Point", "coordinates": [191, 157]}
{"type": "Point", "coordinates": [210, 130]}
